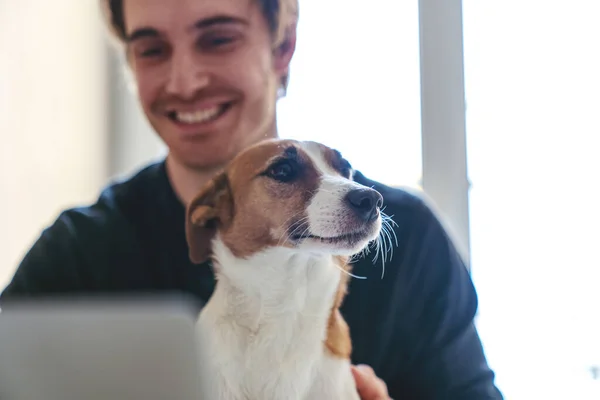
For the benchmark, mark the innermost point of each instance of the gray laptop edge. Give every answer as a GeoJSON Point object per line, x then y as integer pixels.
{"type": "Point", "coordinates": [98, 349]}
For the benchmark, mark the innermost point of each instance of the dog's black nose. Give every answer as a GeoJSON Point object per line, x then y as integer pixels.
{"type": "Point", "coordinates": [365, 203]}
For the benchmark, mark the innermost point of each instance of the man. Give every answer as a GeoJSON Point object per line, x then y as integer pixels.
{"type": "Point", "coordinates": [208, 75]}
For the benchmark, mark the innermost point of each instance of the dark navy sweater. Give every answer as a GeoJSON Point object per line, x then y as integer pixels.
{"type": "Point", "coordinates": [414, 326]}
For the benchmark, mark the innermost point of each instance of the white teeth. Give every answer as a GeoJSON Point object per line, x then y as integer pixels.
{"type": "Point", "coordinates": [197, 117]}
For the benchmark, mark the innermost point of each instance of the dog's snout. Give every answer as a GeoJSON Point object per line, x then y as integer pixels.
{"type": "Point", "coordinates": [365, 203]}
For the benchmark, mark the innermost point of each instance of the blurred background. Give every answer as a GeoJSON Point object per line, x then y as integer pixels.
{"type": "Point", "coordinates": [516, 178]}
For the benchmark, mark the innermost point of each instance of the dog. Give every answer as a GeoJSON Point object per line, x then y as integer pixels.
{"type": "Point", "coordinates": [280, 224]}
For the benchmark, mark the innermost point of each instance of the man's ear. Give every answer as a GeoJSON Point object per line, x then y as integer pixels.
{"type": "Point", "coordinates": [285, 50]}
{"type": "Point", "coordinates": [211, 208]}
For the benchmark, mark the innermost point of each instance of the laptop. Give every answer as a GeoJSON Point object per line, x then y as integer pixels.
{"type": "Point", "coordinates": [99, 350]}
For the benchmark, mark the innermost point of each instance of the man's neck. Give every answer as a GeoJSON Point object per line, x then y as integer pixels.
{"type": "Point", "coordinates": [186, 181]}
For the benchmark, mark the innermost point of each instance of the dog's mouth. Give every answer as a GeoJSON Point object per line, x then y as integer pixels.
{"type": "Point", "coordinates": [345, 238]}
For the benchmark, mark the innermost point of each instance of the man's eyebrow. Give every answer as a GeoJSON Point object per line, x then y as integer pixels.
{"type": "Point", "coordinates": [201, 24]}
{"type": "Point", "coordinates": [219, 20]}
{"type": "Point", "coordinates": [142, 33]}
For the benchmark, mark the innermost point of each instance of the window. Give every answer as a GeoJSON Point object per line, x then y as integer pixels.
{"type": "Point", "coordinates": [354, 85]}
{"type": "Point", "coordinates": [533, 84]}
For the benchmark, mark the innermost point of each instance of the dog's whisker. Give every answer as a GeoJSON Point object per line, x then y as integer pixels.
{"type": "Point", "coordinates": [283, 238]}
{"type": "Point", "coordinates": [284, 231]}
{"type": "Point", "coordinates": [375, 245]}
{"type": "Point", "coordinates": [287, 235]}
{"type": "Point", "coordinates": [380, 252]}
{"type": "Point", "coordinates": [383, 245]}
{"type": "Point", "coordinates": [390, 229]}
{"type": "Point", "coordinates": [301, 224]}
{"type": "Point", "coordinates": [387, 244]}
{"type": "Point", "coordinates": [383, 257]}
{"type": "Point", "coordinates": [349, 273]}
{"type": "Point", "coordinates": [388, 223]}
{"type": "Point", "coordinates": [389, 219]}
{"type": "Point", "coordinates": [305, 231]}
{"type": "Point", "coordinates": [300, 221]}
{"type": "Point", "coordinates": [359, 255]}
{"type": "Point", "coordinates": [386, 232]}
{"type": "Point", "coordinates": [366, 251]}
{"type": "Point", "coordinates": [290, 218]}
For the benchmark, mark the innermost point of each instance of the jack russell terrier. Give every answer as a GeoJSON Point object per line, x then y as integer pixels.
{"type": "Point", "coordinates": [280, 224]}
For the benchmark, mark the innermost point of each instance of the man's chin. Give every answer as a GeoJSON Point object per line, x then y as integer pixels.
{"type": "Point", "coordinates": [204, 159]}
{"type": "Point", "coordinates": [209, 149]}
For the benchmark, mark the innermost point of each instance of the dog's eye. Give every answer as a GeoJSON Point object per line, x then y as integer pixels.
{"type": "Point", "coordinates": [345, 169]}
{"type": "Point", "coordinates": [283, 171]}
{"type": "Point", "coordinates": [342, 165]}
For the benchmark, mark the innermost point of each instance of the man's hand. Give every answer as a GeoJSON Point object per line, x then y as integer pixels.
{"type": "Point", "coordinates": [369, 386]}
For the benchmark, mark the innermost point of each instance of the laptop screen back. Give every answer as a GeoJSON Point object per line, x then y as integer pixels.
{"type": "Point", "coordinates": [99, 350]}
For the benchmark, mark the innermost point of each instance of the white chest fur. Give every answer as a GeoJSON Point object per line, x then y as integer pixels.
{"type": "Point", "coordinates": [261, 334]}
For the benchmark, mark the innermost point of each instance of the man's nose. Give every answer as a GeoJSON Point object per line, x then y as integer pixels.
{"type": "Point", "coordinates": [186, 76]}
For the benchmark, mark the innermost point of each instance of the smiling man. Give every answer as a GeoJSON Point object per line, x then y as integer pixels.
{"type": "Point", "coordinates": [208, 76]}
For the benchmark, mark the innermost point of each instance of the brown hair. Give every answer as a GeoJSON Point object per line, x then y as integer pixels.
{"type": "Point", "coordinates": [280, 15]}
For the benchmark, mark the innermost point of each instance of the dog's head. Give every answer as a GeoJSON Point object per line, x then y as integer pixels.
{"type": "Point", "coordinates": [286, 193]}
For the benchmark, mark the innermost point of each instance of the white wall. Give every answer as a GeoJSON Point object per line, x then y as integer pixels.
{"type": "Point", "coordinates": [53, 148]}
{"type": "Point", "coordinates": [132, 141]}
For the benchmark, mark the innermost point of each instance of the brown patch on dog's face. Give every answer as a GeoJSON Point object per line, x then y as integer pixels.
{"type": "Point", "coordinates": [256, 202]}
{"type": "Point", "coordinates": [211, 208]}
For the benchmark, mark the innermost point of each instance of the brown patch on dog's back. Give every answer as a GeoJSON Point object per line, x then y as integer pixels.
{"type": "Point", "coordinates": [338, 341]}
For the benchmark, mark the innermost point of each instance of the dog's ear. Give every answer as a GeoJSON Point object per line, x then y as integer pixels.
{"type": "Point", "coordinates": [210, 209]}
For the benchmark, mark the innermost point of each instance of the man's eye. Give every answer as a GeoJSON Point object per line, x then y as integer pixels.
{"type": "Point", "coordinates": [216, 42]}
{"type": "Point", "coordinates": [220, 41]}
{"type": "Point", "coordinates": [284, 171]}
{"type": "Point", "coordinates": [152, 52]}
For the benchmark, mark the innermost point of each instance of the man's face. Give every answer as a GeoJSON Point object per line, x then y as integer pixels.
{"type": "Point", "coordinates": [207, 74]}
